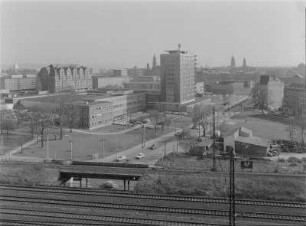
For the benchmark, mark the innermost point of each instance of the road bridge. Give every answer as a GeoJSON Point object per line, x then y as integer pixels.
{"type": "Point", "coordinates": [79, 172]}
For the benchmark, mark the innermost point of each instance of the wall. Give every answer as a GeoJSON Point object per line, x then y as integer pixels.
{"type": "Point", "coordinates": [252, 150]}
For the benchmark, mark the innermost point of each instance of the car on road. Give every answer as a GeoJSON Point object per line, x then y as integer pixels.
{"type": "Point", "coordinates": [121, 158]}
{"type": "Point", "coordinates": [140, 156]}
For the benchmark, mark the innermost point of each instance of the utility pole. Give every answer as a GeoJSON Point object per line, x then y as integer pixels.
{"type": "Point", "coordinates": [214, 142]}
{"type": "Point", "coordinates": [232, 211]}
{"type": "Point", "coordinates": [116, 145]}
{"type": "Point", "coordinates": [143, 138]}
{"type": "Point", "coordinates": [47, 154]}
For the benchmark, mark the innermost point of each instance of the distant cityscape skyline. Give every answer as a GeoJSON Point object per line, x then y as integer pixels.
{"type": "Point", "coordinates": [126, 34]}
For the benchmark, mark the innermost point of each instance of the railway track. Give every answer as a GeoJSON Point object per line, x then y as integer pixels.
{"type": "Point", "coordinates": [39, 216]}
{"type": "Point", "coordinates": [144, 208]}
{"type": "Point", "coordinates": [77, 191]}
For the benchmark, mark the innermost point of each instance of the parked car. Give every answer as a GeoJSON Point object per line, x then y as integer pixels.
{"type": "Point", "coordinates": [121, 158]}
{"type": "Point", "coordinates": [152, 147]}
{"type": "Point", "coordinates": [140, 156]}
{"type": "Point", "coordinates": [109, 184]}
{"type": "Point", "coordinates": [178, 134]}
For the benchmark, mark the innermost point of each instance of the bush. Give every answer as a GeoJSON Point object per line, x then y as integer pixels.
{"type": "Point", "coordinates": [293, 164]}
{"type": "Point", "coordinates": [261, 188]}
{"type": "Point", "coordinates": [303, 159]}
{"type": "Point", "coordinates": [28, 174]}
{"type": "Point", "coordinates": [281, 160]}
{"type": "Point", "coordinates": [293, 159]}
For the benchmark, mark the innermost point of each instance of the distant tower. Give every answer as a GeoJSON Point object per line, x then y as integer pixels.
{"type": "Point", "coordinates": [15, 67]}
{"type": "Point", "coordinates": [233, 64]}
{"type": "Point", "coordinates": [148, 66]}
{"type": "Point", "coordinates": [244, 63]}
{"type": "Point", "coordinates": [154, 62]}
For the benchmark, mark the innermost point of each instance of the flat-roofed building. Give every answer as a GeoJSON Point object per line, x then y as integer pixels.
{"type": "Point", "coordinates": [104, 81]}
{"type": "Point", "coordinates": [91, 115]}
{"type": "Point", "coordinates": [144, 84]}
{"type": "Point", "coordinates": [252, 146]}
{"type": "Point", "coordinates": [295, 100]}
{"type": "Point", "coordinates": [273, 90]}
{"type": "Point", "coordinates": [199, 88]}
{"type": "Point", "coordinates": [19, 82]}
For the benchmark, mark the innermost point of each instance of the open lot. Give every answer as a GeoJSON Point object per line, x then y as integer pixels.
{"type": "Point", "coordinates": [87, 146]}
{"type": "Point", "coordinates": [183, 161]}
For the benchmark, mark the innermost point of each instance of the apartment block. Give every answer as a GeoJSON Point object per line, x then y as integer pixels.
{"type": "Point", "coordinates": [19, 82]}
{"type": "Point", "coordinates": [63, 78]}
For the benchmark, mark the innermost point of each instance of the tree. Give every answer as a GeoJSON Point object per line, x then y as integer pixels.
{"type": "Point", "coordinates": [196, 115]}
{"type": "Point", "coordinates": [206, 111]}
{"type": "Point", "coordinates": [200, 115]}
{"type": "Point", "coordinates": [8, 125]}
{"type": "Point", "coordinates": [40, 120]}
{"type": "Point", "coordinates": [156, 118]}
{"type": "Point", "coordinates": [187, 140]}
{"type": "Point", "coordinates": [43, 122]}
{"type": "Point", "coordinates": [65, 112]}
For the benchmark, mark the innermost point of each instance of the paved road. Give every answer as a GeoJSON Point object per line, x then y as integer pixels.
{"type": "Point", "coordinates": [151, 156]}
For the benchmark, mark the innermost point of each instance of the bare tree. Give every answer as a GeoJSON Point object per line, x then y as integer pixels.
{"type": "Point", "coordinates": [155, 116]}
{"type": "Point", "coordinates": [196, 115]}
{"type": "Point", "coordinates": [206, 111]}
{"type": "Point", "coordinates": [65, 112]}
{"type": "Point", "coordinates": [187, 140]}
{"type": "Point", "coordinates": [8, 125]}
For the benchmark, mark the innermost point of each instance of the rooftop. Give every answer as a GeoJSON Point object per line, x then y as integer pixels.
{"type": "Point", "coordinates": [85, 103]}
{"type": "Point", "coordinates": [205, 143]}
{"type": "Point", "coordinates": [254, 140]}
{"type": "Point", "coordinates": [297, 86]}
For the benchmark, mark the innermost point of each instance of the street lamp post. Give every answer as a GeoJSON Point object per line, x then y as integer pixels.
{"type": "Point", "coordinates": [47, 152]}
{"type": "Point", "coordinates": [70, 141]}
{"type": "Point", "coordinates": [102, 145]}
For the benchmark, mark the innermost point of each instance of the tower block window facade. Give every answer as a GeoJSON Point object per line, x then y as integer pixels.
{"type": "Point", "coordinates": [177, 77]}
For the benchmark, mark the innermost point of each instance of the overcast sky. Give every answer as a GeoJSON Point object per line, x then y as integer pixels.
{"type": "Point", "coordinates": [124, 34]}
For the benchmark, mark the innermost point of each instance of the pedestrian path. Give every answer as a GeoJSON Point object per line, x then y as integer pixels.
{"type": "Point", "coordinates": [16, 150]}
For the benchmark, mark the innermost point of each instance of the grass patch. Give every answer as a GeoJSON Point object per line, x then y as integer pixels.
{"type": "Point", "coordinates": [13, 141]}
{"type": "Point", "coordinates": [29, 174]}
{"type": "Point", "coordinates": [282, 189]}
{"type": "Point", "coordinates": [176, 161]}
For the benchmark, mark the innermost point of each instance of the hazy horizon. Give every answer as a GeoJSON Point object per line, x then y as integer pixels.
{"type": "Point", "coordinates": [125, 34]}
